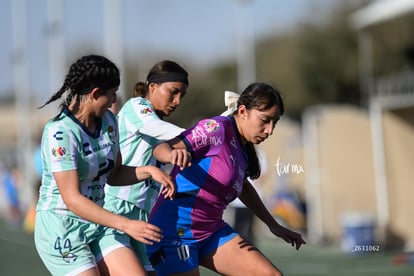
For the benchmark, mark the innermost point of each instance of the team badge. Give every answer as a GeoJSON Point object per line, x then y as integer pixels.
{"type": "Point", "coordinates": [180, 232]}
{"type": "Point", "coordinates": [112, 134]}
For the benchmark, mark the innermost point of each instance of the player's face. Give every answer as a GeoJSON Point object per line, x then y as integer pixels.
{"type": "Point", "coordinates": [257, 125]}
{"type": "Point", "coordinates": [106, 100]}
{"type": "Point", "coordinates": [166, 96]}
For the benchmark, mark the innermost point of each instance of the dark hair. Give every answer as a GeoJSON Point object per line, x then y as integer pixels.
{"type": "Point", "coordinates": [260, 96]}
{"type": "Point", "coordinates": [85, 74]}
{"type": "Point", "coordinates": [161, 68]}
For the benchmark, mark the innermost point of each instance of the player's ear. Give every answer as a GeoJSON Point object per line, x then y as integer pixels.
{"type": "Point", "coordinates": [96, 92]}
{"type": "Point", "coordinates": [242, 111]}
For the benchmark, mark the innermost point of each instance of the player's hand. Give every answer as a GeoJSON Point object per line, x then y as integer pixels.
{"type": "Point", "coordinates": [168, 185]}
{"type": "Point", "coordinates": [294, 238]}
{"type": "Point", "coordinates": [143, 231]}
{"type": "Point", "coordinates": [181, 158]}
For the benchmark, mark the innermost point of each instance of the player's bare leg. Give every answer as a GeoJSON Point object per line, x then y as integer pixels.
{"type": "Point", "coordinates": [121, 261]}
{"type": "Point", "coordinates": [238, 255]}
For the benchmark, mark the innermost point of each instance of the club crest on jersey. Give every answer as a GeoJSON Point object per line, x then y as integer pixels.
{"type": "Point", "coordinates": [112, 134]}
{"type": "Point", "coordinates": [211, 126]}
{"type": "Point", "coordinates": [59, 151]}
{"type": "Point", "coordinates": [180, 232]}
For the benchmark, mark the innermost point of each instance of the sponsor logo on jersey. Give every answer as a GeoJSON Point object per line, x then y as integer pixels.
{"type": "Point", "coordinates": [58, 136]}
{"type": "Point", "coordinates": [86, 149]}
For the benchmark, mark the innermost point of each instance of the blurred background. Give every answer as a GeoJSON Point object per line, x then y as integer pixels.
{"type": "Point", "coordinates": [339, 167]}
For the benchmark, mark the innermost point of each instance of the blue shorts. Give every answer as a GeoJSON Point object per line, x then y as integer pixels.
{"type": "Point", "coordinates": [174, 255]}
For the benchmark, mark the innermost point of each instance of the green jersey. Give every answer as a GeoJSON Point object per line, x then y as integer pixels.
{"type": "Point", "coordinates": [140, 129]}
{"type": "Point", "coordinates": [68, 145]}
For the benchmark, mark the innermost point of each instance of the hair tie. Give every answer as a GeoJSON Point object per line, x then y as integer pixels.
{"type": "Point", "coordinates": [230, 100]}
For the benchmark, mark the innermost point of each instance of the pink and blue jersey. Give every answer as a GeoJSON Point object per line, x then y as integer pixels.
{"type": "Point", "coordinates": [205, 189]}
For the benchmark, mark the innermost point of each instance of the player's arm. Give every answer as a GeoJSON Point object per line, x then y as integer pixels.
{"type": "Point", "coordinates": [173, 152]}
{"type": "Point", "coordinates": [68, 185]}
{"type": "Point", "coordinates": [159, 129]}
{"type": "Point", "coordinates": [126, 175]}
{"type": "Point", "coordinates": [252, 200]}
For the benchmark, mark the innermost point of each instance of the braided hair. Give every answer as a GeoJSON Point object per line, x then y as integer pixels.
{"type": "Point", "coordinates": [260, 96]}
{"type": "Point", "coordinates": [85, 74]}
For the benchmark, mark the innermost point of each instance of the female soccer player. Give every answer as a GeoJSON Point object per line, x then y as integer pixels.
{"type": "Point", "coordinates": [80, 152]}
{"type": "Point", "coordinates": [141, 127]}
{"type": "Point", "coordinates": [214, 161]}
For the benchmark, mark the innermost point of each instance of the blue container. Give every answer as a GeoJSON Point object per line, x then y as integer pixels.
{"type": "Point", "coordinates": [358, 234]}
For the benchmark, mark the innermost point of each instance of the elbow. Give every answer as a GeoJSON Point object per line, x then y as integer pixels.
{"type": "Point", "coordinates": [72, 203]}
{"type": "Point", "coordinates": [157, 152]}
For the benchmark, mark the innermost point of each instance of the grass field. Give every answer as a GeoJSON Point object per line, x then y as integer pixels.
{"type": "Point", "coordinates": [18, 257]}
{"type": "Point", "coordinates": [313, 260]}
